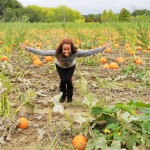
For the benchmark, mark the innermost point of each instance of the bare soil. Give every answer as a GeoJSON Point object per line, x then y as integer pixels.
{"type": "Point", "coordinates": [44, 124]}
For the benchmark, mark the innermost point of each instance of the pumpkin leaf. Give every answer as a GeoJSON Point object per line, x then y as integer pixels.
{"type": "Point", "coordinates": [79, 118]}
{"type": "Point", "coordinates": [131, 141]}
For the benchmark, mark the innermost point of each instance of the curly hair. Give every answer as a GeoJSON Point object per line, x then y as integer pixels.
{"type": "Point", "coordinates": [60, 46]}
{"type": "Point", "coordinates": [66, 41]}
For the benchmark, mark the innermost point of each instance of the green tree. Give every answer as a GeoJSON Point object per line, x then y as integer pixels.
{"type": "Point", "coordinates": [9, 15]}
{"type": "Point", "coordinates": [124, 15]}
{"type": "Point", "coordinates": [104, 16]}
{"type": "Point", "coordinates": [33, 15]}
{"type": "Point", "coordinates": [141, 12]}
{"type": "Point", "coordinates": [110, 15]}
{"type": "Point", "coordinates": [59, 14]}
{"type": "Point", "coordinates": [4, 4]}
{"type": "Point", "coordinates": [65, 14]}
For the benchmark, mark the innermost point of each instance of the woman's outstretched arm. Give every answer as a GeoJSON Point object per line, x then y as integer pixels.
{"type": "Point", "coordinates": [39, 52]}
{"type": "Point", "coordinates": [84, 53]}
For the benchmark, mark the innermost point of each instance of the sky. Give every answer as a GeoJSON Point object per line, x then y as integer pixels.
{"type": "Point", "coordinates": [92, 6]}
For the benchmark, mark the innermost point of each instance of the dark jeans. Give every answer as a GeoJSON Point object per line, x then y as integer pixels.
{"type": "Point", "coordinates": [66, 85]}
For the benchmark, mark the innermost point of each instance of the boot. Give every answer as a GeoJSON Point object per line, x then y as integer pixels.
{"type": "Point", "coordinates": [69, 93]}
{"type": "Point", "coordinates": [63, 89]}
{"type": "Point", "coordinates": [63, 98]}
{"type": "Point", "coordinates": [69, 99]}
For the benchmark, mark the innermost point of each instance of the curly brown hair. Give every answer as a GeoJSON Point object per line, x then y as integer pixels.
{"type": "Point", "coordinates": [60, 46]}
{"type": "Point", "coordinates": [65, 41]}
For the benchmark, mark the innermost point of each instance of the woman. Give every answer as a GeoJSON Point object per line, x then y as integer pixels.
{"type": "Point", "coordinates": [65, 62]}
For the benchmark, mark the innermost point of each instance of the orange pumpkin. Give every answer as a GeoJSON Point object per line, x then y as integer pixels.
{"type": "Point", "coordinates": [148, 47]}
{"type": "Point", "coordinates": [37, 62]}
{"type": "Point", "coordinates": [79, 142]}
{"type": "Point", "coordinates": [106, 66]}
{"type": "Point", "coordinates": [138, 61]}
{"type": "Point", "coordinates": [23, 123]}
{"type": "Point", "coordinates": [127, 45]}
{"type": "Point", "coordinates": [116, 45]}
{"type": "Point", "coordinates": [139, 48]}
{"type": "Point", "coordinates": [1, 42]}
{"type": "Point", "coordinates": [139, 42]}
{"type": "Point", "coordinates": [108, 50]}
{"type": "Point", "coordinates": [39, 44]}
{"type": "Point", "coordinates": [48, 58]}
{"type": "Point", "coordinates": [132, 53]}
{"type": "Point", "coordinates": [120, 59]}
{"type": "Point", "coordinates": [35, 57]}
{"type": "Point", "coordinates": [114, 65]}
{"type": "Point", "coordinates": [103, 60]}
{"type": "Point", "coordinates": [4, 58]}
{"type": "Point", "coordinates": [145, 51]}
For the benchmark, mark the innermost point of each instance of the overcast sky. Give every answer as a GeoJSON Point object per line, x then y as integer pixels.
{"type": "Point", "coordinates": [92, 6]}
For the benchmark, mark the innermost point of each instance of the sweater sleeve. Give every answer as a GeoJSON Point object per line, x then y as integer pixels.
{"type": "Point", "coordinates": [41, 52]}
{"type": "Point", "coordinates": [84, 53]}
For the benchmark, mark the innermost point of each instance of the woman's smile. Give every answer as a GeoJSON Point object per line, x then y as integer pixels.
{"type": "Point", "coordinates": [66, 50]}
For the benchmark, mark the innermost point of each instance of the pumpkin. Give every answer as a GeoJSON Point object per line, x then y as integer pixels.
{"type": "Point", "coordinates": [148, 47]}
{"type": "Point", "coordinates": [114, 65]}
{"type": "Point", "coordinates": [23, 123]}
{"type": "Point", "coordinates": [48, 58]}
{"type": "Point", "coordinates": [35, 57]}
{"type": "Point", "coordinates": [139, 42]}
{"type": "Point", "coordinates": [117, 45]}
{"type": "Point", "coordinates": [103, 60]}
{"type": "Point", "coordinates": [106, 66]}
{"type": "Point", "coordinates": [39, 44]}
{"type": "Point", "coordinates": [1, 42]}
{"type": "Point", "coordinates": [79, 142]}
{"type": "Point", "coordinates": [139, 48]}
{"type": "Point", "coordinates": [4, 58]}
{"type": "Point", "coordinates": [120, 59]}
{"type": "Point", "coordinates": [127, 45]}
{"type": "Point", "coordinates": [37, 62]}
{"type": "Point", "coordinates": [138, 61]}
{"type": "Point", "coordinates": [108, 50]}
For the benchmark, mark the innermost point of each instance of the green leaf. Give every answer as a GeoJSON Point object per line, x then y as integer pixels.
{"type": "Point", "coordinates": [91, 144]}
{"type": "Point", "coordinates": [30, 94]}
{"type": "Point", "coordinates": [102, 143]}
{"type": "Point", "coordinates": [145, 117]}
{"type": "Point", "coordinates": [145, 139]}
{"type": "Point", "coordinates": [146, 127]}
{"type": "Point", "coordinates": [130, 141]}
{"type": "Point", "coordinates": [97, 111]}
{"type": "Point", "coordinates": [122, 136]}
{"type": "Point", "coordinates": [139, 104]}
{"type": "Point", "coordinates": [113, 126]}
{"type": "Point", "coordinates": [79, 118]}
{"type": "Point", "coordinates": [145, 110]}
{"type": "Point", "coordinates": [29, 106]}
{"type": "Point", "coordinates": [89, 100]}
{"type": "Point", "coordinates": [148, 142]}
{"type": "Point", "coordinates": [109, 119]}
{"type": "Point", "coordinates": [116, 145]}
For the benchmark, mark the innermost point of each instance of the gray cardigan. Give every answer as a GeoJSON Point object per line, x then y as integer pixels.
{"type": "Point", "coordinates": [69, 61]}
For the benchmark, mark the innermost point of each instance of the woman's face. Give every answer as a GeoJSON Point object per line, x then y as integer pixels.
{"type": "Point", "coordinates": [66, 49]}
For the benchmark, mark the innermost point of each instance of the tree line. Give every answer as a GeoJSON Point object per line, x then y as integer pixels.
{"type": "Point", "coordinates": [12, 10]}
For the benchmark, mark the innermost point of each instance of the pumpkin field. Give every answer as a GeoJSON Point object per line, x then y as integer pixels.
{"type": "Point", "coordinates": [111, 101]}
